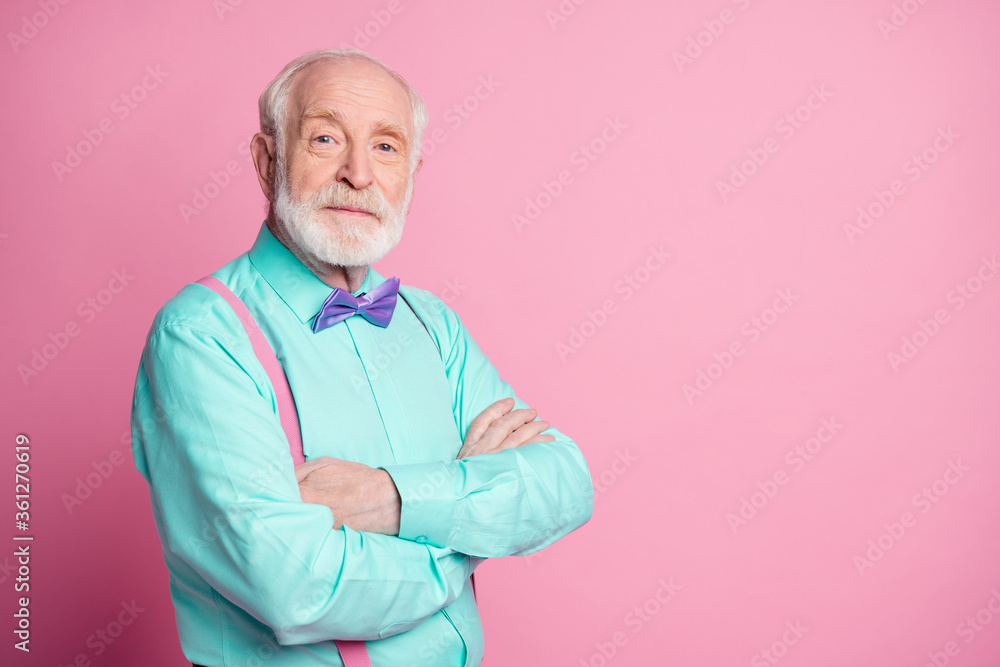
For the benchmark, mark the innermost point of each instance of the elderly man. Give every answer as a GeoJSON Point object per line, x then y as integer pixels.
{"type": "Point", "coordinates": [420, 461]}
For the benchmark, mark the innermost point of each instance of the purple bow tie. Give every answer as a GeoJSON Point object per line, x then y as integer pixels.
{"type": "Point", "coordinates": [375, 306]}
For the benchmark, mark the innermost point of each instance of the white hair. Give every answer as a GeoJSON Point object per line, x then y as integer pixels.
{"type": "Point", "coordinates": [273, 102]}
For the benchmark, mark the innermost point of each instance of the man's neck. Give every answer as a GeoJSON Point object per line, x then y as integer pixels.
{"type": "Point", "coordinates": [347, 278]}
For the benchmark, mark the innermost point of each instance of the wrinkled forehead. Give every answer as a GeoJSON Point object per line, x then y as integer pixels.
{"type": "Point", "coordinates": [360, 93]}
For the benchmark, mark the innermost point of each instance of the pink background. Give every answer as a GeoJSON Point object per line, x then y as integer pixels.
{"type": "Point", "coordinates": [670, 468]}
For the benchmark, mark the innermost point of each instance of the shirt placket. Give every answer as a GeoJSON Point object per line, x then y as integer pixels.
{"type": "Point", "coordinates": [383, 390]}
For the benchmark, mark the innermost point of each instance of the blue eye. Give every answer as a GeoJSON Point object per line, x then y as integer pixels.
{"type": "Point", "coordinates": [389, 145]}
{"type": "Point", "coordinates": [324, 137]}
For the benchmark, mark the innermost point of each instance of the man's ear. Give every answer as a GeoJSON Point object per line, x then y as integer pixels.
{"type": "Point", "coordinates": [265, 161]}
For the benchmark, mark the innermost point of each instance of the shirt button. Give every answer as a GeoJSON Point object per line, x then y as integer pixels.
{"type": "Point", "coordinates": [422, 539]}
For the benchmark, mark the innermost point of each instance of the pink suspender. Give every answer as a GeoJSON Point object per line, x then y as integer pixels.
{"type": "Point", "coordinates": [282, 392]}
{"type": "Point", "coordinates": [353, 653]}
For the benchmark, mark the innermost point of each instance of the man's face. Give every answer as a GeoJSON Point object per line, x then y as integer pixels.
{"type": "Point", "coordinates": [343, 176]}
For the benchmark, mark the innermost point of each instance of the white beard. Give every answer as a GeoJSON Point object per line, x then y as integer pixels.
{"type": "Point", "coordinates": [346, 241]}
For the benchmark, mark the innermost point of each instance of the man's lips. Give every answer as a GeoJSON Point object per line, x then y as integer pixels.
{"type": "Point", "coordinates": [348, 209]}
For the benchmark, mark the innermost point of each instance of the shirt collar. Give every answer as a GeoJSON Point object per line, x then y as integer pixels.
{"type": "Point", "coordinates": [298, 287]}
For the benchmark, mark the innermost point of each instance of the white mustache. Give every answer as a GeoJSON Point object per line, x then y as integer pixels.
{"type": "Point", "coordinates": [341, 196]}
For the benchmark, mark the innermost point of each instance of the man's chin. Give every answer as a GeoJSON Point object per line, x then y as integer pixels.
{"type": "Point", "coordinates": [350, 251]}
{"type": "Point", "coordinates": [340, 240]}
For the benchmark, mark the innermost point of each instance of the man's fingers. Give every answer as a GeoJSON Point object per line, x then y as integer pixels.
{"type": "Point", "coordinates": [503, 427]}
{"type": "Point", "coordinates": [494, 411]}
{"type": "Point", "coordinates": [524, 434]}
{"type": "Point", "coordinates": [303, 470]}
{"type": "Point", "coordinates": [518, 438]}
{"type": "Point", "coordinates": [485, 418]}
{"type": "Point", "coordinates": [499, 427]}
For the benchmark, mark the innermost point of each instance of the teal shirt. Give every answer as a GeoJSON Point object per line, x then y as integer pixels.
{"type": "Point", "coordinates": [259, 577]}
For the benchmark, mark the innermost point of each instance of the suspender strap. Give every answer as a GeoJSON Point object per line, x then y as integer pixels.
{"type": "Point", "coordinates": [282, 392]}
{"type": "Point", "coordinates": [353, 653]}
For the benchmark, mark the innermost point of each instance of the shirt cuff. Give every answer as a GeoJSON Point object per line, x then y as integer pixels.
{"type": "Point", "coordinates": [427, 501]}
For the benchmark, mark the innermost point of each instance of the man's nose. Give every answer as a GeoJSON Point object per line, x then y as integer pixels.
{"type": "Point", "coordinates": [356, 168]}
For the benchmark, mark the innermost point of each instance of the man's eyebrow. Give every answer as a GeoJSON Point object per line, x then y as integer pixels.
{"type": "Point", "coordinates": [389, 127]}
{"type": "Point", "coordinates": [330, 113]}
{"type": "Point", "coordinates": [393, 129]}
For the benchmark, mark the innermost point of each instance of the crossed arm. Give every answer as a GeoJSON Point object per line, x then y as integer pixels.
{"type": "Point", "coordinates": [408, 536]}
{"type": "Point", "coordinates": [366, 499]}
{"type": "Point", "coordinates": [516, 486]}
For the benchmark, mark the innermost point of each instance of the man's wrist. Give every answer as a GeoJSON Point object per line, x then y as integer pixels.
{"type": "Point", "coordinates": [428, 502]}
{"type": "Point", "coordinates": [388, 504]}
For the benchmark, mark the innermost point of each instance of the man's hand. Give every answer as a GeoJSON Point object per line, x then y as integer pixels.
{"type": "Point", "coordinates": [366, 499]}
{"type": "Point", "coordinates": [497, 428]}
{"type": "Point", "coordinates": [363, 498]}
